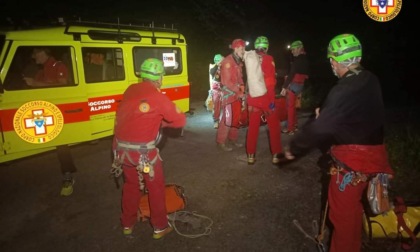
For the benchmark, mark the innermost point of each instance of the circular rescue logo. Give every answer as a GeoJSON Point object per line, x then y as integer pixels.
{"type": "Point", "coordinates": [382, 10]}
{"type": "Point", "coordinates": [38, 122]}
{"type": "Point", "coordinates": [144, 107]}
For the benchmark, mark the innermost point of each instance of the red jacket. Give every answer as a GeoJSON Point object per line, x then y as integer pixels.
{"type": "Point", "coordinates": [232, 79]}
{"type": "Point", "coordinates": [142, 111]}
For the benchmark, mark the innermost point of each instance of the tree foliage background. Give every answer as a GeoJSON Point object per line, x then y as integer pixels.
{"type": "Point", "coordinates": [210, 26]}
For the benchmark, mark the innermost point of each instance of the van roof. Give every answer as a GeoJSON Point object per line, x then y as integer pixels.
{"type": "Point", "coordinates": [106, 32]}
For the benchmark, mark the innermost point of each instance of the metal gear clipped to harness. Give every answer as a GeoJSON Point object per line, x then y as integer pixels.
{"type": "Point", "coordinates": [143, 165]}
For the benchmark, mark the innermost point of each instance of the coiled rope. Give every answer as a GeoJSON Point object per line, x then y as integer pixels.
{"type": "Point", "coordinates": [195, 220]}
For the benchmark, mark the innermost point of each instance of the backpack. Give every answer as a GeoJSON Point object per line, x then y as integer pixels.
{"type": "Point", "coordinates": [175, 201]}
{"type": "Point", "coordinates": [255, 76]}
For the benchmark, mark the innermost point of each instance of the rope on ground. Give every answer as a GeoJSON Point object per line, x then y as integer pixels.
{"type": "Point", "coordinates": [296, 222]}
{"type": "Point", "coordinates": [319, 244]}
{"type": "Point", "coordinates": [195, 220]}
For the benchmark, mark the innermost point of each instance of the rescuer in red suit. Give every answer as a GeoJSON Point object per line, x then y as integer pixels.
{"type": "Point", "coordinates": [263, 107]}
{"type": "Point", "coordinates": [233, 92]}
{"type": "Point", "coordinates": [140, 115]}
{"type": "Point", "coordinates": [294, 84]}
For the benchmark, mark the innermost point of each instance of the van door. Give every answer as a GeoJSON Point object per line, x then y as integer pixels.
{"type": "Point", "coordinates": [43, 103]}
{"type": "Point", "coordinates": [105, 76]}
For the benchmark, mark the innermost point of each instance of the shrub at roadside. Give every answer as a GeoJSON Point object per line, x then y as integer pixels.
{"type": "Point", "coordinates": [403, 145]}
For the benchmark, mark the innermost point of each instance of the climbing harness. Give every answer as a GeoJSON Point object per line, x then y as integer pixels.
{"type": "Point", "coordinates": [227, 92]}
{"type": "Point", "coordinates": [349, 177]}
{"type": "Point", "coordinates": [143, 165]}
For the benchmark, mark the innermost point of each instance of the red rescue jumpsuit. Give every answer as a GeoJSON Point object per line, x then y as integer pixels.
{"type": "Point", "coordinates": [233, 87]}
{"type": "Point", "coordinates": [294, 84]}
{"type": "Point", "coordinates": [264, 105]}
{"type": "Point", "coordinates": [143, 110]}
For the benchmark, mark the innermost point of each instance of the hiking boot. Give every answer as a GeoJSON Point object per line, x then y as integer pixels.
{"type": "Point", "coordinates": [67, 187]}
{"type": "Point", "coordinates": [127, 230]}
{"type": "Point", "coordinates": [216, 125]}
{"type": "Point", "coordinates": [288, 155]}
{"type": "Point", "coordinates": [223, 147]}
{"type": "Point", "coordinates": [160, 233]}
{"type": "Point", "coordinates": [236, 144]}
{"type": "Point", "coordinates": [251, 159]}
{"type": "Point", "coordinates": [276, 158]}
{"type": "Point", "coordinates": [290, 133]}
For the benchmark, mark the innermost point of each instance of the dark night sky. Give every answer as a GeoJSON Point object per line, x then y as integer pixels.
{"type": "Point", "coordinates": [209, 26]}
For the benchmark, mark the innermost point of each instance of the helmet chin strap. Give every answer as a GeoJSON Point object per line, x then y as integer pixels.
{"type": "Point", "coordinates": [354, 71]}
{"type": "Point", "coordinates": [157, 83]}
{"type": "Point", "coordinates": [333, 68]}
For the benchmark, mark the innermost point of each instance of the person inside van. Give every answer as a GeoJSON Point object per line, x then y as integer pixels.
{"type": "Point", "coordinates": [53, 72]}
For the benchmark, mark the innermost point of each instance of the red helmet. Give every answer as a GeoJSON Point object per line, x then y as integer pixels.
{"type": "Point", "coordinates": [237, 43]}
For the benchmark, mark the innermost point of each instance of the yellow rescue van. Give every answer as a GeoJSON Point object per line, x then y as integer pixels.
{"type": "Point", "coordinates": [102, 60]}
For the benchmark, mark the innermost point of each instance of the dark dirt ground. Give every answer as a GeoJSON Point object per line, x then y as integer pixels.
{"type": "Point", "coordinates": [252, 207]}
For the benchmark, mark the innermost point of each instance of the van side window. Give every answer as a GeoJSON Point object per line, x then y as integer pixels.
{"type": "Point", "coordinates": [40, 67]}
{"type": "Point", "coordinates": [170, 56]}
{"type": "Point", "coordinates": [103, 64]}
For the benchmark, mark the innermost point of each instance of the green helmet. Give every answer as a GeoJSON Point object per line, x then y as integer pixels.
{"type": "Point", "coordinates": [152, 69]}
{"type": "Point", "coordinates": [296, 44]}
{"type": "Point", "coordinates": [343, 47]}
{"type": "Point", "coordinates": [218, 58]}
{"type": "Point", "coordinates": [261, 42]}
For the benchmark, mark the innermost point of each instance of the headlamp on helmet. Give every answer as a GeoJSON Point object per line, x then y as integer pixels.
{"type": "Point", "coordinates": [295, 44]}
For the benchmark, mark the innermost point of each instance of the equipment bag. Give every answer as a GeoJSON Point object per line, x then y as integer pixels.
{"type": "Point", "coordinates": [401, 221]}
{"type": "Point", "coordinates": [175, 201]}
{"type": "Point", "coordinates": [254, 74]}
{"type": "Point", "coordinates": [377, 193]}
